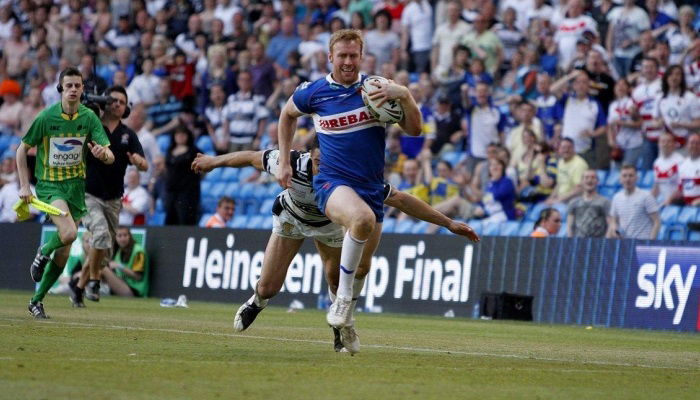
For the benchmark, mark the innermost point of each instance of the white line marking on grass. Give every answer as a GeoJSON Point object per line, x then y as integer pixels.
{"type": "Point", "coordinates": [373, 346]}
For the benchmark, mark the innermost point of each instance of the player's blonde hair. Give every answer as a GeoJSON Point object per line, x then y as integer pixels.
{"type": "Point", "coordinates": [346, 35]}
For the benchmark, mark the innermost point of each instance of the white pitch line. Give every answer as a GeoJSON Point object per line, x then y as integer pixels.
{"type": "Point", "coordinates": [374, 346]}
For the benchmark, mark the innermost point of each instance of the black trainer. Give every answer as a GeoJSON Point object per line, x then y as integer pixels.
{"type": "Point", "coordinates": [337, 341]}
{"type": "Point", "coordinates": [37, 310]}
{"type": "Point", "coordinates": [245, 316]}
{"type": "Point", "coordinates": [92, 290]}
{"type": "Point", "coordinates": [76, 294]}
{"type": "Point", "coordinates": [36, 270]}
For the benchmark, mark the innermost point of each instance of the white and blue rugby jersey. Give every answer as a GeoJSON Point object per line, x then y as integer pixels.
{"type": "Point", "coordinates": [352, 141]}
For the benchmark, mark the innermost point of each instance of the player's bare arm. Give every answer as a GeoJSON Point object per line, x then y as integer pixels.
{"type": "Point", "coordinates": [239, 159]}
{"type": "Point", "coordinates": [412, 122]}
{"type": "Point", "coordinates": [25, 193]}
{"type": "Point", "coordinates": [286, 129]}
{"type": "Point", "coordinates": [423, 211]}
{"type": "Point", "coordinates": [102, 153]}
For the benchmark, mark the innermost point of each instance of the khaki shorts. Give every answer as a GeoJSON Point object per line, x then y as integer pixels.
{"type": "Point", "coordinates": [286, 226]}
{"type": "Point", "coordinates": [102, 220]}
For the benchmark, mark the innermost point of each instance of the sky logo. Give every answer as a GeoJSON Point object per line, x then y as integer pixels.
{"type": "Point", "coordinates": [667, 286]}
{"type": "Point", "coordinates": [68, 145]}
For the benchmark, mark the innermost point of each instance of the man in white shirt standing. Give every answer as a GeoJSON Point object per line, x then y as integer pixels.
{"type": "Point", "coordinates": [151, 150]}
{"type": "Point", "coordinates": [689, 173]}
{"type": "Point", "coordinates": [135, 202]}
{"type": "Point", "coordinates": [417, 21]}
{"type": "Point", "coordinates": [666, 178]}
{"type": "Point", "coordinates": [645, 95]}
{"type": "Point", "coordinates": [485, 125]}
{"type": "Point", "coordinates": [446, 37]}
{"type": "Point", "coordinates": [626, 25]}
{"type": "Point", "coordinates": [570, 29]}
{"type": "Point", "coordinates": [584, 118]}
{"type": "Point", "coordinates": [634, 212]}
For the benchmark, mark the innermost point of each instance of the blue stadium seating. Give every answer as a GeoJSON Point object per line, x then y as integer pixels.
{"type": "Point", "coordinates": [491, 229]}
{"type": "Point", "coordinates": [246, 172]}
{"type": "Point", "coordinates": [420, 227]}
{"type": "Point", "coordinates": [266, 206]}
{"type": "Point", "coordinates": [208, 204]}
{"type": "Point", "coordinates": [562, 230]}
{"type": "Point", "coordinates": [563, 210]}
{"type": "Point", "coordinates": [404, 226]}
{"type": "Point", "coordinates": [259, 191]}
{"type": "Point", "coordinates": [694, 235]}
{"type": "Point", "coordinates": [213, 175]}
{"type": "Point", "coordinates": [388, 225]}
{"type": "Point", "coordinates": [688, 214]}
{"type": "Point", "coordinates": [267, 222]}
{"type": "Point", "coordinates": [453, 157]}
{"type": "Point", "coordinates": [245, 191]}
{"type": "Point", "coordinates": [602, 174]}
{"type": "Point", "coordinates": [676, 232]}
{"type": "Point", "coordinates": [217, 189]}
{"type": "Point", "coordinates": [476, 224]}
{"type": "Point", "coordinates": [526, 228]}
{"type": "Point", "coordinates": [163, 143]}
{"type": "Point", "coordinates": [229, 174]}
{"type": "Point", "coordinates": [157, 219]}
{"type": "Point", "coordinates": [669, 214]}
{"type": "Point", "coordinates": [205, 218]}
{"type": "Point", "coordinates": [607, 191]}
{"type": "Point", "coordinates": [204, 187]}
{"type": "Point", "coordinates": [159, 206]}
{"type": "Point", "coordinates": [239, 222]}
{"type": "Point", "coordinates": [256, 222]}
{"type": "Point", "coordinates": [205, 144]}
{"type": "Point", "coordinates": [646, 181]}
{"type": "Point", "coordinates": [230, 188]}
{"type": "Point", "coordinates": [534, 213]}
{"type": "Point", "coordinates": [510, 228]}
{"type": "Point", "coordinates": [613, 178]}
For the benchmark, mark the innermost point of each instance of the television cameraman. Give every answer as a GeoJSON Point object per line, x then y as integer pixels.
{"type": "Point", "coordinates": [104, 187]}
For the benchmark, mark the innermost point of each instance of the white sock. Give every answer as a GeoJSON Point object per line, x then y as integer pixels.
{"type": "Point", "coordinates": [349, 260]}
{"type": "Point", "coordinates": [257, 300]}
{"type": "Point", "coordinates": [356, 290]}
{"type": "Point", "coordinates": [331, 296]}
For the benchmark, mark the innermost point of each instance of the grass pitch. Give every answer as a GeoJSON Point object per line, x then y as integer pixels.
{"type": "Point", "coordinates": [134, 349]}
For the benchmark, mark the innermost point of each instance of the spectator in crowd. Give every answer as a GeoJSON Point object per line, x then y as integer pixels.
{"type": "Point", "coordinates": [692, 67]}
{"type": "Point", "coordinates": [527, 122]}
{"type": "Point", "coordinates": [262, 71]}
{"type": "Point", "coordinates": [588, 215]}
{"type": "Point", "coordinates": [548, 223]}
{"type": "Point", "coordinates": [382, 42]}
{"type": "Point", "coordinates": [144, 87]}
{"type": "Point", "coordinates": [485, 45]}
{"type": "Point", "coordinates": [9, 191]}
{"type": "Point", "coordinates": [244, 116]}
{"type": "Point", "coordinates": [11, 108]}
{"type": "Point", "coordinates": [412, 181]}
{"type": "Point", "coordinates": [128, 272]}
{"type": "Point", "coordinates": [646, 45]}
{"type": "Point", "coordinates": [283, 43]}
{"type": "Point", "coordinates": [547, 108]}
{"type": "Point", "coordinates": [627, 22]}
{"type": "Point", "coordinates": [135, 202]}
{"type": "Point", "coordinates": [645, 95]}
{"type": "Point", "coordinates": [182, 195]}
{"type": "Point", "coordinates": [509, 35]}
{"type": "Point", "coordinates": [14, 51]}
{"type": "Point", "coordinates": [217, 73]}
{"type": "Point", "coordinates": [448, 135]}
{"type": "Point", "coordinates": [123, 35]}
{"type": "Point", "coordinates": [689, 172]}
{"type": "Point", "coordinates": [446, 38]}
{"type": "Point", "coordinates": [570, 29]}
{"type": "Point", "coordinates": [137, 122]}
{"type": "Point", "coordinates": [224, 213]}
{"type": "Point", "coordinates": [164, 115]}
{"type": "Point", "coordinates": [624, 125]}
{"type": "Point", "coordinates": [570, 168]}
{"type": "Point", "coordinates": [31, 107]}
{"type": "Point", "coordinates": [499, 198]}
{"type": "Point", "coordinates": [441, 187]}
{"type": "Point", "coordinates": [678, 109]}
{"type": "Point", "coordinates": [634, 212]}
{"type": "Point", "coordinates": [417, 22]}
{"type": "Point", "coordinates": [484, 125]}
{"type": "Point", "coordinates": [666, 177]}
{"type": "Point", "coordinates": [94, 84]}
{"type": "Point", "coordinates": [679, 37]}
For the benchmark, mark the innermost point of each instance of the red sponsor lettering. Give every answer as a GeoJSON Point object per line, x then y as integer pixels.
{"type": "Point", "coordinates": [363, 116]}
{"type": "Point", "coordinates": [343, 121]}
{"type": "Point", "coordinates": [352, 119]}
{"type": "Point", "coordinates": [334, 123]}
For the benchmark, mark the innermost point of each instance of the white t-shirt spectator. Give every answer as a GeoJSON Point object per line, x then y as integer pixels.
{"type": "Point", "coordinates": [144, 89]}
{"type": "Point", "coordinates": [627, 25]}
{"type": "Point", "coordinates": [666, 175]}
{"type": "Point", "coordinates": [579, 116]}
{"type": "Point", "coordinates": [225, 14]}
{"type": "Point", "coordinates": [544, 13]}
{"type": "Point", "coordinates": [522, 9]}
{"type": "Point", "coordinates": [674, 108]}
{"type": "Point", "coordinates": [418, 18]}
{"type": "Point", "coordinates": [484, 125]}
{"type": "Point", "coordinates": [140, 200]}
{"type": "Point", "coordinates": [446, 38]}
{"type": "Point", "coordinates": [382, 45]}
{"type": "Point", "coordinates": [568, 32]}
{"type": "Point", "coordinates": [627, 137]}
{"type": "Point", "coordinates": [692, 76]}
{"type": "Point", "coordinates": [633, 212]}
{"type": "Point", "coordinates": [645, 96]}
{"type": "Point", "coordinates": [151, 150]}
{"type": "Point", "coordinates": [689, 172]}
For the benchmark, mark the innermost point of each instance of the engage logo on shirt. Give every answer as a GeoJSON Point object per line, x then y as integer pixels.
{"type": "Point", "coordinates": [65, 152]}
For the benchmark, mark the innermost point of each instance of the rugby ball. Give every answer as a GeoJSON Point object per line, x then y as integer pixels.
{"type": "Point", "coordinates": [390, 112]}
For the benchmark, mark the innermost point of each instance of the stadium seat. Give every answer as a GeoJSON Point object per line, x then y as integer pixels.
{"type": "Point", "coordinates": [213, 175]}
{"type": "Point", "coordinates": [259, 191]}
{"type": "Point", "coordinates": [205, 144]}
{"type": "Point", "coordinates": [256, 222]}
{"type": "Point", "coordinates": [526, 228]}
{"type": "Point", "coordinates": [607, 191]}
{"type": "Point", "coordinates": [208, 204]}
{"type": "Point", "coordinates": [646, 180]}
{"type": "Point", "coordinates": [217, 189]}
{"type": "Point", "coordinates": [454, 157]}
{"type": "Point", "coordinates": [273, 189]}
{"type": "Point", "coordinates": [404, 226]}
{"type": "Point", "coordinates": [267, 222]}
{"type": "Point", "coordinates": [676, 232]}
{"type": "Point", "coordinates": [476, 224]}
{"type": "Point", "coordinates": [492, 229]}
{"type": "Point", "coordinates": [266, 206]}
{"type": "Point", "coordinates": [251, 206]}
{"type": "Point", "coordinates": [562, 231]}
{"type": "Point", "coordinates": [245, 191]}
{"type": "Point", "coordinates": [246, 172]}
{"type": "Point", "coordinates": [238, 222]}
{"type": "Point", "coordinates": [388, 225]}
{"type": "Point", "coordinates": [229, 175]}
{"type": "Point", "coordinates": [420, 227]}
{"type": "Point", "coordinates": [163, 143]}
{"type": "Point", "coordinates": [602, 174]}
{"type": "Point", "coordinates": [613, 178]}
{"type": "Point", "coordinates": [534, 213]}
{"type": "Point", "coordinates": [688, 214]}
{"type": "Point", "coordinates": [231, 188]}
{"type": "Point", "coordinates": [669, 214]}
{"type": "Point", "coordinates": [510, 228]}
{"type": "Point", "coordinates": [694, 235]}
{"type": "Point", "coordinates": [157, 219]}
{"type": "Point", "coordinates": [204, 219]}
{"type": "Point", "coordinates": [563, 210]}
{"type": "Point", "coordinates": [159, 206]}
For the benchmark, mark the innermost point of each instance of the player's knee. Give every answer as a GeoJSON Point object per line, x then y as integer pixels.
{"type": "Point", "coordinates": [68, 236]}
{"type": "Point", "coordinates": [363, 225]}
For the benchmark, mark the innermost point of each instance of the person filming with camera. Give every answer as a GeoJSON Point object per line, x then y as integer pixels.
{"type": "Point", "coordinates": [104, 187]}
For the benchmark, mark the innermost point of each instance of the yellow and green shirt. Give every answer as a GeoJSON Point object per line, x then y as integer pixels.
{"type": "Point", "coordinates": [62, 140]}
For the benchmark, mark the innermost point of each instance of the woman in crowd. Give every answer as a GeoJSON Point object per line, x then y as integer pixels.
{"type": "Point", "coordinates": [181, 183]}
{"type": "Point", "coordinates": [127, 274]}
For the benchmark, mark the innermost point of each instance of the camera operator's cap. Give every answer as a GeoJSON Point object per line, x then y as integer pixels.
{"type": "Point", "coordinates": [9, 86]}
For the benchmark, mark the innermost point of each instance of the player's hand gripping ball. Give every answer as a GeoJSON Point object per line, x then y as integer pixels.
{"type": "Point", "coordinates": [390, 111]}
